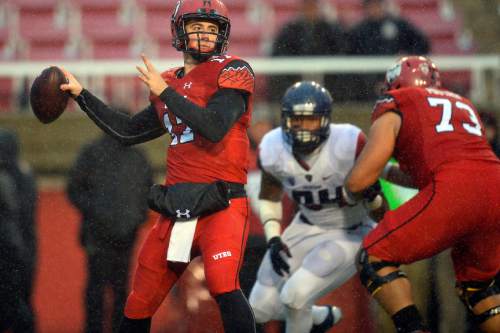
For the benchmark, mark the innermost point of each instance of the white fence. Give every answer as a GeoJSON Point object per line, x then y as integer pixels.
{"type": "Point", "coordinates": [485, 69]}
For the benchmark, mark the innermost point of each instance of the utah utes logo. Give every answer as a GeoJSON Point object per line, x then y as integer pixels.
{"type": "Point", "coordinates": [424, 68]}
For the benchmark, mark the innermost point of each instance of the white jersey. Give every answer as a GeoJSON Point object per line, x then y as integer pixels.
{"type": "Point", "coordinates": [314, 189]}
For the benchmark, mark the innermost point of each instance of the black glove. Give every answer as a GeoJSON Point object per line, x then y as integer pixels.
{"type": "Point", "coordinates": [347, 198]}
{"type": "Point", "coordinates": [371, 192]}
{"type": "Point", "coordinates": [344, 198]}
{"type": "Point", "coordinates": [276, 245]}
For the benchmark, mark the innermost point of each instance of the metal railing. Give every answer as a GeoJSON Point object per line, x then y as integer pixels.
{"type": "Point", "coordinates": [485, 69]}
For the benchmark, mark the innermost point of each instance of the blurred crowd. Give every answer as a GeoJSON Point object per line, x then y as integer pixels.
{"type": "Point", "coordinates": [378, 32]}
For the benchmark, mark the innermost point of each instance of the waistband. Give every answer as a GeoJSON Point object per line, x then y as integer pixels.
{"type": "Point", "coordinates": [306, 221]}
{"type": "Point", "coordinates": [236, 190]}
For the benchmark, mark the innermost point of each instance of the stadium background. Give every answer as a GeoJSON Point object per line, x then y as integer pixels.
{"type": "Point", "coordinates": [101, 39]}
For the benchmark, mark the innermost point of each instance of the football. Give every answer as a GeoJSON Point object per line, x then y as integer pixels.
{"type": "Point", "coordinates": [47, 100]}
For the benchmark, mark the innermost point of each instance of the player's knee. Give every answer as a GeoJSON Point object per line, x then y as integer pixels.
{"type": "Point", "coordinates": [482, 299]}
{"type": "Point", "coordinates": [137, 307]}
{"type": "Point", "coordinates": [302, 289]}
{"type": "Point", "coordinates": [264, 302]}
{"type": "Point", "coordinates": [147, 294]}
{"type": "Point", "coordinates": [369, 272]}
{"type": "Point", "coordinates": [294, 297]}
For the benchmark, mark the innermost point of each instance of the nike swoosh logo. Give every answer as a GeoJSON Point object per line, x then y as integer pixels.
{"type": "Point", "coordinates": [327, 177]}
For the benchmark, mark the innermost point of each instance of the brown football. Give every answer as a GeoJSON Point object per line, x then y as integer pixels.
{"type": "Point", "coordinates": [47, 100]}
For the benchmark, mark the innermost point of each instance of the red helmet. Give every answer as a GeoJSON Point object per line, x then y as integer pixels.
{"type": "Point", "coordinates": [211, 10]}
{"type": "Point", "coordinates": [413, 71]}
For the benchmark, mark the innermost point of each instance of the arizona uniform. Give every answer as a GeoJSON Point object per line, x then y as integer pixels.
{"type": "Point", "coordinates": [323, 239]}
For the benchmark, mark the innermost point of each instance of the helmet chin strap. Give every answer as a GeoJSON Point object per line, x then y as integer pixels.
{"type": "Point", "coordinates": [198, 57]}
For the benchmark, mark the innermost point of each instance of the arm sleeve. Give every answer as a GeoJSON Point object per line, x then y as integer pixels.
{"type": "Point", "coordinates": [213, 122]}
{"type": "Point", "coordinates": [129, 130]}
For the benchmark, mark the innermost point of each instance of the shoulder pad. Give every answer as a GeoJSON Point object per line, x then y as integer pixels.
{"type": "Point", "coordinates": [237, 74]}
{"type": "Point", "coordinates": [383, 104]}
{"type": "Point", "coordinates": [344, 138]}
{"type": "Point", "coordinates": [270, 149]}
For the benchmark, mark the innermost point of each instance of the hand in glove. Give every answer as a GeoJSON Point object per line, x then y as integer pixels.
{"type": "Point", "coordinates": [347, 198]}
{"type": "Point", "coordinates": [276, 246]}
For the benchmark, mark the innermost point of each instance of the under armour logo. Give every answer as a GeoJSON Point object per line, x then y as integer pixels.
{"type": "Point", "coordinates": [207, 3]}
{"type": "Point", "coordinates": [187, 85]}
{"type": "Point", "coordinates": [184, 214]}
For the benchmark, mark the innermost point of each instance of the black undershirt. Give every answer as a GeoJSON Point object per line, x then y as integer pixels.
{"type": "Point", "coordinates": [213, 122]}
{"type": "Point", "coordinates": [224, 108]}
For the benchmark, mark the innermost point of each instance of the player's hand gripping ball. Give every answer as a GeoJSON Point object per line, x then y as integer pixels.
{"type": "Point", "coordinates": [47, 100]}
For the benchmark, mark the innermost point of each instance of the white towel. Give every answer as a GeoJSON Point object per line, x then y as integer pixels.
{"type": "Point", "coordinates": [181, 241]}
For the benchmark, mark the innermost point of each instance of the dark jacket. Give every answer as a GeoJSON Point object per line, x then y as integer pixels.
{"type": "Point", "coordinates": [13, 202]}
{"type": "Point", "coordinates": [391, 35]}
{"type": "Point", "coordinates": [301, 37]}
{"type": "Point", "coordinates": [109, 184]}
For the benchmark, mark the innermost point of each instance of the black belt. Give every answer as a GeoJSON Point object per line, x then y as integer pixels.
{"type": "Point", "coordinates": [236, 190]}
{"type": "Point", "coordinates": [306, 221]}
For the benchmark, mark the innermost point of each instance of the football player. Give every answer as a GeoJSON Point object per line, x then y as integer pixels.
{"type": "Point", "coordinates": [205, 107]}
{"type": "Point", "coordinates": [439, 142]}
{"type": "Point", "coordinates": [308, 158]}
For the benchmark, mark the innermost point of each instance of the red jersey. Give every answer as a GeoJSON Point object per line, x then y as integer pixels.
{"type": "Point", "coordinates": [437, 126]}
{"type": "Point", "coordinates": [190, 157]}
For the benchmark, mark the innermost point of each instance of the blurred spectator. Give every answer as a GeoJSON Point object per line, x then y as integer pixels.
{"type": "Point", "coordinates": [490, 123]}
{"type": "Point", "coordinates": [309, 34]}
{"type": "Point", "coordinates": [17, 241]}
{"type": "Point", "coordinates": [109, 184]}
{"type": "Point", "coordinates": [28, 198]}
{"type": "Point", "coordinates": [23, 97]}
{"type": "Point", "coordinates": [381, 33]}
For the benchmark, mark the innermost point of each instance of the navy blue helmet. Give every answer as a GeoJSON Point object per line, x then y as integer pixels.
{"type": "Point", "coordinates": [305, 100]}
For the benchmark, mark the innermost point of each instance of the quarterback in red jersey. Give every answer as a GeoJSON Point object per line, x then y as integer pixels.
{"type": "Point", "coordinates": [205, 107]}
{"type": "Point", "coordinates": [440, 145]}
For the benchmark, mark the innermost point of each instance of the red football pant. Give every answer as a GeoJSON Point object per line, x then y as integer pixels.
{"type": "Point", "coordinates": [220, 240]}
{"type": "Point", "coordinates": [459, 209]}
